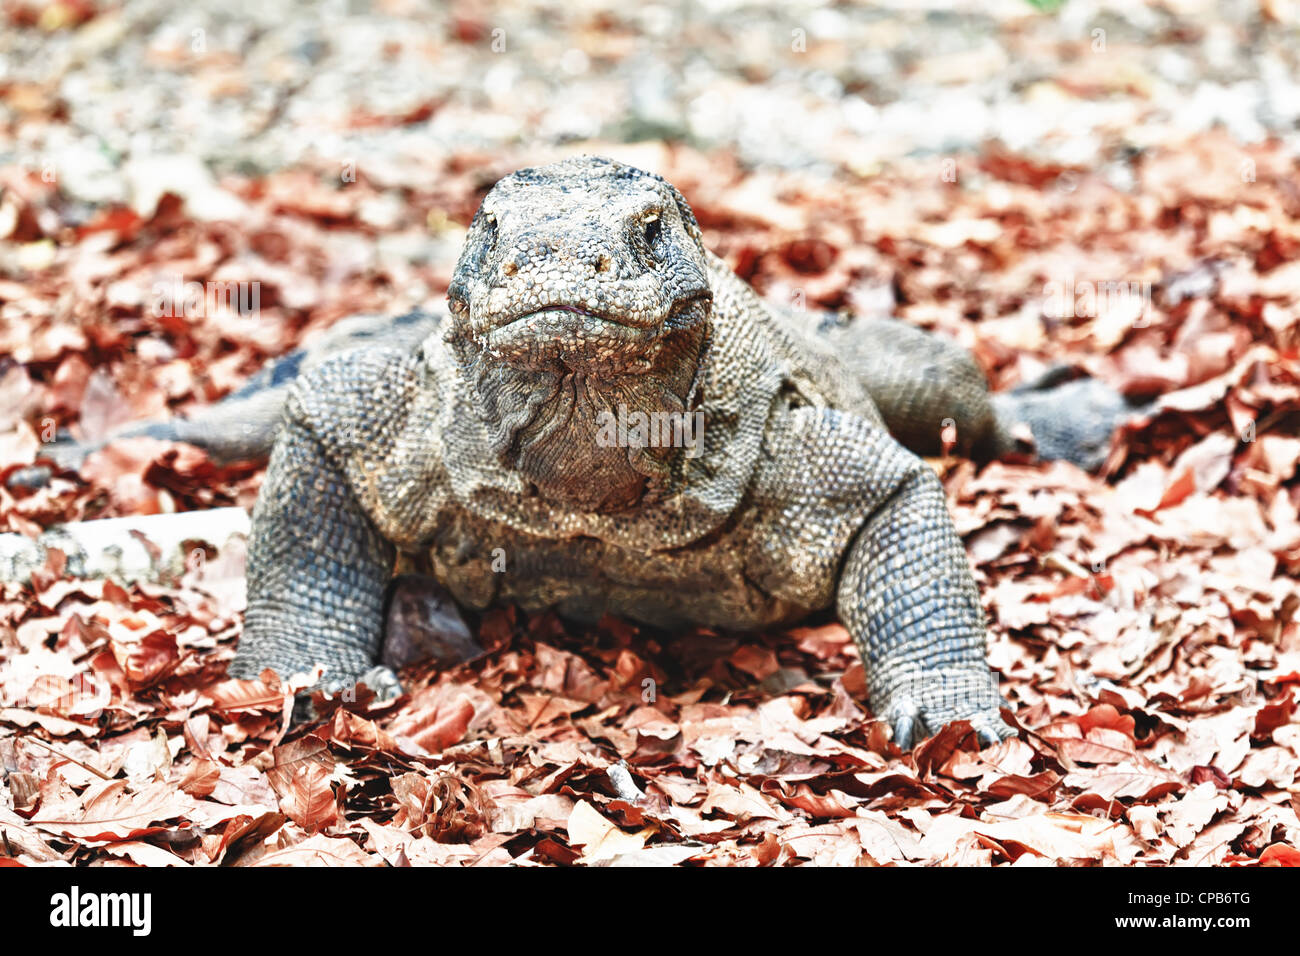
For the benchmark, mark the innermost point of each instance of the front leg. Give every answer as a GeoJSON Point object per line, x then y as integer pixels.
{"type": "Point", "coordinates": [907, 596]}
{"type": "Point", "coordinates": [317, 571]}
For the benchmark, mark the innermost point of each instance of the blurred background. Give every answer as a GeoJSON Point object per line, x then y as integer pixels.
{"type": "Point", "coordinates": [252, 87]}
{"type": "Point", "coordinates": [189, 189]}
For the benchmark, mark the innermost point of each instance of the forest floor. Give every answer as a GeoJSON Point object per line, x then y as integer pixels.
{"type": "Point", "coordinates": [1143, 621]}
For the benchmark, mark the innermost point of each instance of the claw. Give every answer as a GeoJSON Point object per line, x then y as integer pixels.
{"type": "Point", "coordinates": [908, 729]}
{"type": "Point", "coordinates": [992, 729]}
{"type": "Point", "coordinates": [31, 478]}
{"type": "Point", "coordinates": [303, 711]}
{"type": "Point", "coordinates": [384, 682]}
{"type": "Point", "coordinates": [903, 732]}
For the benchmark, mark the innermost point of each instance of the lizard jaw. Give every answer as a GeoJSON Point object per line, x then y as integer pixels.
{"type": "Point", "coordinates": [589, 341]}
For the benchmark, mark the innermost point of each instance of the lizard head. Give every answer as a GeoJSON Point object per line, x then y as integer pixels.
{"type": "Point", "coordinates": [582, 293]}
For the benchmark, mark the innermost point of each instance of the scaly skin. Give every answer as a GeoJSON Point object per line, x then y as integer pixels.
{"type": "Point", "coordinates": [243, 425]}
{"type": "Point", "coordinates": [584, 286]}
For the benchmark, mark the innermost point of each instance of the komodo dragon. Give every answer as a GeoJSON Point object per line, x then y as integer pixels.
{"type": "Point", "coordinates": [608, 420]}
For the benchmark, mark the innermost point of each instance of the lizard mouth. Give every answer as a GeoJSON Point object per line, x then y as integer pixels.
{"type": "Point", "coordinates": [580, 337]}
{"type": "Point", "coordinates": [576, 310]}
{"type": "Point", "coordinates": [555, 315]}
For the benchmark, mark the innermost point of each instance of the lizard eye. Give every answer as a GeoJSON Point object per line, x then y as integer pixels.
{"type": "Point", "coordinates": [490, 224]}
{"type": "Point", "coordinates": [652, 229]}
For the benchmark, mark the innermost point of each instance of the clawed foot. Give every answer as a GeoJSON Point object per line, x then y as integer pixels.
{"type": "Point", "coordinates": [921, 706]}
{"type": "Point", "coordinates": [911, 726]}
{"type": "Point", "coordinates": [382, 681]}
{"type": "Point", "coordinates": [1070, 420]}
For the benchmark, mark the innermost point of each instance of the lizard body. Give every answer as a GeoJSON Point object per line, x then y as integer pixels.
{"type": "Point", "coordinates": [585, 297]}
{"type": "Point", "coordinates": [584, 293]}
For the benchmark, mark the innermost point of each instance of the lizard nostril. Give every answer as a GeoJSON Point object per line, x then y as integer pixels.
{"type": "Point", "coordinates": [604, 264]}
{"type": "Point", "coordinates": [510, 267]}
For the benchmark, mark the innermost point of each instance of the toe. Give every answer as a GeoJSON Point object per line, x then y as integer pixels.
{"type": "Point", "coordinates": [991, 728]}
{"type": "Point", "coordinates": [304, 712]}
{"type": "Point", "coordinates": [384, 682]}
{"type": "Point", "coordinates": [908, 725]}
{"type": "Point", "coordinates": [903, 732]}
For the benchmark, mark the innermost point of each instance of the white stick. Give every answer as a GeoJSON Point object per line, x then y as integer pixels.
{"type": "Point", "coordinates": [108, 548]}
